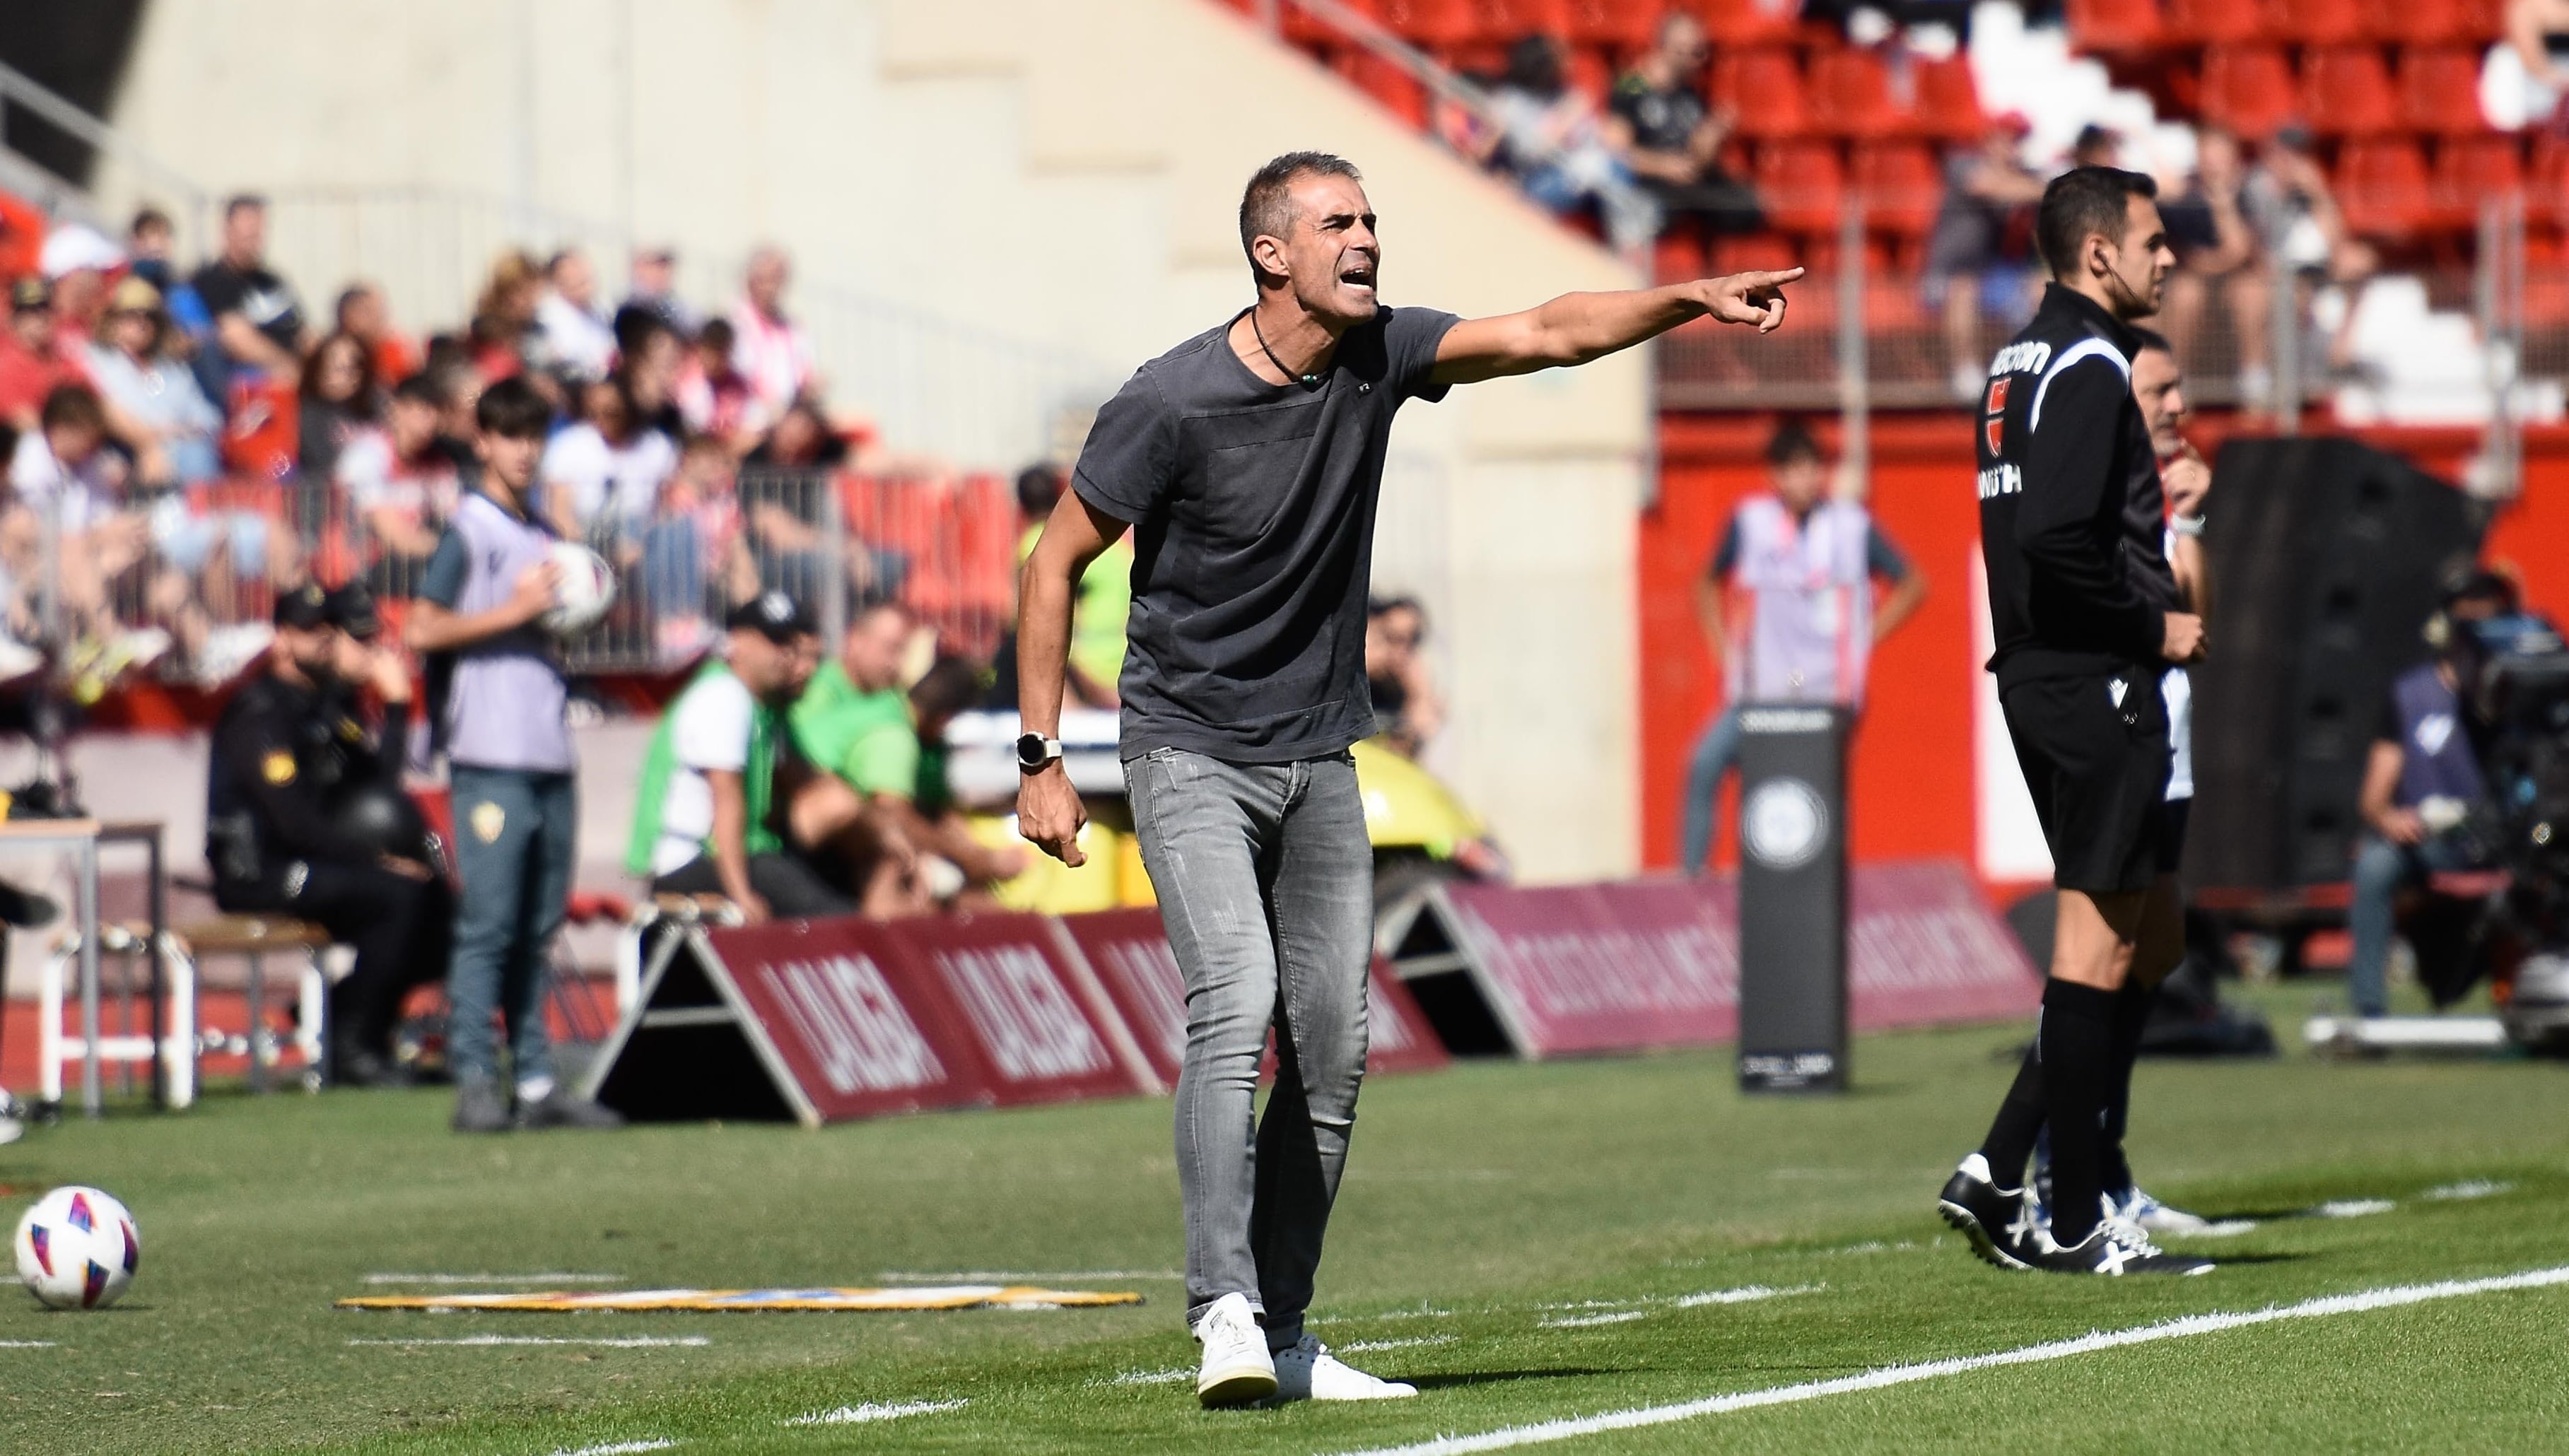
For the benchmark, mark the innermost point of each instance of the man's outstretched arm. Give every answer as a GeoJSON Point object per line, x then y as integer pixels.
{"type": "Point", "coordinates": [1577, 327]}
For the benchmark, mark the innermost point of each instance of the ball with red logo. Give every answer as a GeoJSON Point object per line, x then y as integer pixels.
{"type": "Point", "coordinates": [76, 1248]}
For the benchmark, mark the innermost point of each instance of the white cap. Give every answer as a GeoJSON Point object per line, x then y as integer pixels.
{"type": "Point", "coordinates": [75, 247]}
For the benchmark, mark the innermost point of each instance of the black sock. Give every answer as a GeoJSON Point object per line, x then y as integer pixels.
{"type": "Point", "coordinates": [2131, 1017]}
{"type": "Point", "coordinates": [2020, 1120]}
{"type": "Point", "coordinates": [2077, 1044]}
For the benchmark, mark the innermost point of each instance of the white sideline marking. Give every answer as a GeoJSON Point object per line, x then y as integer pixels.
{"type": "Point", "coordinates": [2470, 1188]}
{"type": "Point", "coordinates": [2223, 1229]}
{"type": "Point", "coordinates": [1146, 1377]}
{"type": "Point", "coordinates": [618, 1448]}
{"type": "Point", "coordinates": [1743, 1294]}
{"type": "Point", "coordinates": [847, 1415]}
{"type": "Point", "coordinates": [1570, 1427]}
{"type": "Point", "coordinates": [2353, 1208]}
{"type": "Point", "coordinates": [1021, 1276]}
{"type": "Point", "coordinates": [623, 1342]}
{"type": "Point", "coordinates": [1583, 1321]}
{"type": "Point", "coordinates": [1410, 1343]}
{"type": "Point", "coordinates": [491, 1279]}
{"type": "Point", "coordinates": [26, 1345]}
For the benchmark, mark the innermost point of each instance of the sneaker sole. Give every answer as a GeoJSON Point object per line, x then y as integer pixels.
{"type": "Point", "coordinates": [1237, 1387]}
{"type": "Point", "coordinates": [1979, 1237]}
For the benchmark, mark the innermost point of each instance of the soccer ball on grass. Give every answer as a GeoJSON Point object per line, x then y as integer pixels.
{"type": "Point", "coordinates": [76, 1248]}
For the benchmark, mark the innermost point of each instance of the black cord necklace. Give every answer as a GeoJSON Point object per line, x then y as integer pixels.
{"type": "Point", "coordinates": [1309, 381]}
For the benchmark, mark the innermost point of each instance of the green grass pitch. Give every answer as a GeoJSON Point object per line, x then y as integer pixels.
{"type": "Point", "coordinates": [1517, 1240]}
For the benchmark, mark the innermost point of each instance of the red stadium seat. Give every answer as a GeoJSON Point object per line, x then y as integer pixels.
{"type": "Point", "coordinates": [2381, 185]}
{"type": "Point", "coordinates": [2418, 22]}
{"type": "Point", "coordinates": [2320, 22]}
{"type": "Point", "coordinates": [1398, 92]}
{"type": "Point", "coordinates": [1505, 21]}
{"type": "Point", "coordinates": [2440, 92]}
{"type": "Point", "coordinates": [1901, 186]}
{"type": "Point", "coordinates": [1759, 252]}
{"type": "Point", "coordinates": [1750, 22]}
{"type": "Point", "coordinates": [2216, 22]}
{"type": "Point", "coordinates": [1765, 88]}
{"type": "Point", "coordinates": [2116, 27]}
{"type": "Point", "coordinates": [1625, 26]}
{"type": "Point", "coordinates": [2346, 92]}
{"type": "Point", "coordinates": [1802, 184]}
{"type": "Point", "coordinates": [1588, 69]}
{"type": "Point", "coordinates": [1302, 28]}
{"type": "Point", "coordinates": [1948, 102]}
{"type": "Point", "coordinates": [2468, 169]}
{"type": "Point", "coordinates": [1851, 95]}
{"type": "Point", "coordinates": [1434, 24]}
{"type": "Point", "coordinates": [2248, 89]}
{"type": "Point", "coordinates": [1677, 256]}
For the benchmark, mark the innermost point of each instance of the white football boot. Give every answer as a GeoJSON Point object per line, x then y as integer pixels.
{"type": "Point", "coordinates": [1237, 1368]}
{"type": "Point", "coordinates": [1307, 1372]}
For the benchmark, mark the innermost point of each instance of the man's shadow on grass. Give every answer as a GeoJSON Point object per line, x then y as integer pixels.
{"type": "Point", "coordinates": [1493, 1377]}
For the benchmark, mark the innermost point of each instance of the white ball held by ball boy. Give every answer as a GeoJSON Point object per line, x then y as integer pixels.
{"type": "Point", "coordinates": [585, 592]}
{"type": "Point", "coordinates": [76, 1248]}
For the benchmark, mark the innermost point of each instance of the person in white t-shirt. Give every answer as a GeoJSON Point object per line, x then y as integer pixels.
{"type": "Point", "coordinates": [601, 476]}
{"type": "Point", "coordinates": [570, 338]}
{"type": "Point", "coordinates": [767, 347]}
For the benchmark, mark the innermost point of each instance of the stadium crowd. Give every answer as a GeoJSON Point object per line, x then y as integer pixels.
{"type": "Point", "coordinates": [183, 443]}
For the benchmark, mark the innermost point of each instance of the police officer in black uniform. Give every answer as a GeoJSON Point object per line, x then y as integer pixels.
{"type": "Point", "coordinates": [2086, 616]}
{"type": "Point", "coordinates": [306, 817]}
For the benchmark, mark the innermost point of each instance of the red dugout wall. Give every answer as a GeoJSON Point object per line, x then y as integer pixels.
{"type": "Point", "coordinates": [1911, 787]}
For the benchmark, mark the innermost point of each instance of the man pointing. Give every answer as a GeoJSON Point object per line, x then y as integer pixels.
{"type": "Point", "coordinates": [1248, 460]}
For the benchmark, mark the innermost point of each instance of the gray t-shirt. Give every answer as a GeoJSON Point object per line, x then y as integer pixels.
{"type": "Point", "coordinates": [1254, 508]}
{"type": "Point", "coordinates": [500, 704]}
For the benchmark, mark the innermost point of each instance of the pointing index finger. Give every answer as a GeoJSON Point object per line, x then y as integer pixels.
{"type": "Point", "coordinates": [1770, 280]}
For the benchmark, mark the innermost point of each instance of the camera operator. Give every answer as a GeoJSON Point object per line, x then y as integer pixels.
{"type": "Point", "coordinates": [2419, 782]}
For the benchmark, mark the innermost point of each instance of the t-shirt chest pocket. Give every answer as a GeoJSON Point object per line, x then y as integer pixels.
{"type": "Point", "coordinates": [1249, 463]}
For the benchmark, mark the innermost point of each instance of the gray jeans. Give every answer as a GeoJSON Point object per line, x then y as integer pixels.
{"type": "Point", "coordinates": [1265, 885]}
{"type": "Point", "coordinates": [514, 834]}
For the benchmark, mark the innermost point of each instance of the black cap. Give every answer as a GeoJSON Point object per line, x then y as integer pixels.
{"type": "Point", "coordinates": [774, 615]}
{"type": "Point", "coordinates": [352, 610]}
{"type": "Point", "coordinates": [30, 293]}
{"type": "Point", "coordinates": [305, 606]}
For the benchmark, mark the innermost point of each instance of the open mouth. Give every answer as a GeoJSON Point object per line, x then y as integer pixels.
{"type": "Point", "coordinates": [1359, 278]}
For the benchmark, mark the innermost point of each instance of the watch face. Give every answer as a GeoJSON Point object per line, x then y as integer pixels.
{"type": "Point", "coordinates": [1032, 751]}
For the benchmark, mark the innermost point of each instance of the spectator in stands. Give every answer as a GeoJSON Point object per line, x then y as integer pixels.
{"type": "Point", "coordinates": [707, 813]}
{"type": "Point", "coordinates": [1980, 253]}
{"type": "Point", "coordinates": [401, 485]}
{"type": "Point", "coordinates": [948, 690]}
{"type": "Point", "coordinates": [31, 363]}
{"type": "Point", "coordinates": [168, 421]}
{"type": "Point", "coordinates": [2526, 73]}
{"type": "Point", "coordinates": [693, 544]}
{"type": "Point", "coordinates": [82, 263]}
{"type": "Point", "coordinates": [2096, 146]}
{"type": "Point", "coordinates": [69, 484]}
{"type": "Point", "coordinates": [602, 476]}
{"type": "Point", "coordinates": [2422, 784]}
{"type": "Point", "coordinates": [1553, 142]}
{"type": "Point", "coordinates": [1659, 128]}
{"type": "Point", "coordinates": [715, 397]}
{"type": "Point", "coordinates": [2217, 257]}
{"type": "Point", "coordinates": [571, 339]}
{"type": "Point", "coordinates": [770, 349]}
{"type": "Point", "coordinates": [1807, 623]}
{"type": "Point", "coordinates": [257, 321]}
{"type": "Point", "coordinates": [1105, 592]}
{"type": "Point", "coordinates": [652, 285]}
{"type": "Point", "coordinates": [363, 314]}
{"type": "Point", "coordinates": [649, 361]}
{"type": "Point", "coordinates": [2300, 228]}
{"type": "Point", "coordinates": [1407, 709]}
{"type": "Point", "coordinates": [505, 318]}
{"type": "Point", "coordinates": [338, 399]}
{"type": "Point", "coordinates": [802, 440]}
{"type": "Point", "coordinates": [151, 240]}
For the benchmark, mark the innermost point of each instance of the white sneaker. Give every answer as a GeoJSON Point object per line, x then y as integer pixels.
{"type": "Point", "coordinates": [1237, 1367]}
{"type": "Point", "coordinates": [1308, 1372]}
{"type": "Point", "coordinates": [2139, 1207]}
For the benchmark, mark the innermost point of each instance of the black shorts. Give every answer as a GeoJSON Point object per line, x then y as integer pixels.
{"type": "Point", "coordinates": [2094, 750]}
{"type": "Point", "coordinates": [2173, 815]}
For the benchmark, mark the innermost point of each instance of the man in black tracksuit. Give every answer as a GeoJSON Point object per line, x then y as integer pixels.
{"type": "Point", "coordinates": [2086, 616]}
{"type": "Point", "coordinates": [286, 832]}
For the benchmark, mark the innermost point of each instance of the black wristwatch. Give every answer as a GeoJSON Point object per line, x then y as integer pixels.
{"type": "Point", "coordinates": [1034, 751]}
